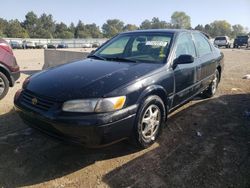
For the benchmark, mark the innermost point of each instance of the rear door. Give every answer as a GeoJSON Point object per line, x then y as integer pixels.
{"type": "Point", "coordinates": [185, 74]}
{"type": "Point", "coordinates": [206, 61]}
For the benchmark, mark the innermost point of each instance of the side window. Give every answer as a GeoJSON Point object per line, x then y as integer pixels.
{"type": "Point", "coordinates": [185, 45]}
{"type": "Point", "coordinates": [202, 45]}
{"type": "Point", "coordinates": [116, 47]}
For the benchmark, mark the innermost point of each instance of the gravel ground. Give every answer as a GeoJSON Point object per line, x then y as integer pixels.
{"type": "Point", "coordinates": [206, 143]}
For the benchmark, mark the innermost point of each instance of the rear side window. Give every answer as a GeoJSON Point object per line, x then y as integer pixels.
{"type": "Point", "coordinates": [202, 45]}
{"type": "Point", "coordinates": [185, 45]}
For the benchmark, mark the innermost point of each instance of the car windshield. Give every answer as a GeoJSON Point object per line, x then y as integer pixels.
{"type": "Point", "coordinates": [136, 47]}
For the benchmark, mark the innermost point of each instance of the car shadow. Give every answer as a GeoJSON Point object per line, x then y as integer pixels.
{"type": "Point", "coordinates": [29, 72]}
{"type": "Point", "coordinates": [28, 157]}
{"type": "Point", "coordinates": [204, 145]}
{"type": "Point", "coordinates": [190, 148]}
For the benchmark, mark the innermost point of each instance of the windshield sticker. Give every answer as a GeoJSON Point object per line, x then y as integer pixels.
{"type": "Point", "coordinates": [156, 43]}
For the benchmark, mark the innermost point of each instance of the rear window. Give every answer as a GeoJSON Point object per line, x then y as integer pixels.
{"type": "Point", "coordinates": [220, 38]}
{"type": "Point", "coordinates": [243, 37]}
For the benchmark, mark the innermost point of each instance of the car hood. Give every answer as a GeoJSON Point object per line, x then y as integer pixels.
{"type": "Point", "coordinates": [87, 78]}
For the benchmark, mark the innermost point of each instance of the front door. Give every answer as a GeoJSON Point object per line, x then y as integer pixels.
{"type": "Point", "coordinates": [185, 74]}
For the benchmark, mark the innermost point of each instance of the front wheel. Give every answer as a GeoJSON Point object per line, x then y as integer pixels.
{"type": "Point", "coordinates": [212, 88]}
{"type": "Point", "coordinates": [149, 122]}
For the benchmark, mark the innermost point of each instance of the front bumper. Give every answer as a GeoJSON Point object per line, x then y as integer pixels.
{"type": "Point", "coordinates": [89, 130]}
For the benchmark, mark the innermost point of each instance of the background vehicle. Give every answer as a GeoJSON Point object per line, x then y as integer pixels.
{"type": "Point", "coordinates": [125, 89]}
{"type": "Point", "coordinates": [29, 45]}
{"type": "Point", "coordinates": [87, 45]}
{"type": "Point", "coordinates": [222, 41]}
{"type": "Point", "coordinates": [15, 45]}
{"type": "Point", "coordinates": [243, 40]}
{"type": "Point", "coordinates": [40, 45]}
{"type": "Point", "coordinates": [51, 46]}
{"type": "Point", "coordinates": [96, 45]}
{"type": "Point", "coordinates": [9, 70]}
{"type": "Point", "coordinates": [62, 45]}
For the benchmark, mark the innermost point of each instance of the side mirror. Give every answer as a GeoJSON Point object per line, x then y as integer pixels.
{"type": "Point", "coordinates": [183, 59]}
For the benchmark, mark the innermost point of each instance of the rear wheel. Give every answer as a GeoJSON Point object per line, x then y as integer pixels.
{"type": "Point", "coordinates": [4, 85]}
{"type": "Point", "coordinates": [212, 88]}
{"type": "Point", "coordinates": [149, 121]}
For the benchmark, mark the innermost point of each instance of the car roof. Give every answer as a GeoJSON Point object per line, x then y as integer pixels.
{"type": "Point", "coordinates": [160, 30]}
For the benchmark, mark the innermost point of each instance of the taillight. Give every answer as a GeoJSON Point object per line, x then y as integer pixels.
{"type": "Point", "coordinates": [6, 47]}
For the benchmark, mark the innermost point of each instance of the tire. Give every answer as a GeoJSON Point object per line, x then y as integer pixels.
{"type": "Point", "coordinates": [4, 85]}
{"type": "Point", "coordinates": [149, 121]}
{"type": "Point", "coordinates": [212, 88]}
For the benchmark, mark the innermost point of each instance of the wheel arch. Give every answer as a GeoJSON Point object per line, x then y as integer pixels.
{"type": "Point", "coordinates": [155, 90]}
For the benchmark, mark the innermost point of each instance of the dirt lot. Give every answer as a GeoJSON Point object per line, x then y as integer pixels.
{"type": "Point", "coordinates": [206, 143]}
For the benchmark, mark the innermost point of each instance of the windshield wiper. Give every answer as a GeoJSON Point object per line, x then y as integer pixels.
{"type": "Point", "coordinates": [120, 59]}
{"type": "Point", "coordinates": [96, 57]}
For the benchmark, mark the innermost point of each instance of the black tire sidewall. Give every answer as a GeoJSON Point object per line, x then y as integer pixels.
{"type": "Point", "coordinates": [6, 82]}
{"type": "Point", "coordinates": [156, 100]}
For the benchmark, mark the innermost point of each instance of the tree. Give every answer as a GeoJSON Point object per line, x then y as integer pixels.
{"type": "Point", "coordinates": [62, 31]}
{"type": "Point", "coordinates": [181, 20]}
{"type": "Point", "coordinates": [31, 23]}
{"type": "Point", "coordinates": [72, 28]}
{"type": "Point", "coordinates": [3, 26]}
{"type": "Point", "coordinates": [93, 31]}
{"type": "Point", "coordinates": [112, 27]}
{"type": "Point", "coordinates": [15, 30]}
{"type": "Point", "coordinates": [237, 30]}
{"type": "Point", "coordinates": [130, 27]}
{"type": "Point", "coordinates": [146, 24]}
{"type": "Point", "coordinates": [208, 29]}
{"type": "Point", "coordinates": [46, 22]}
{"type": "Point", "coordinates": [87, 31]}
{"type": "Point", "coordinates": [220, 28]}
{"type": "Point", "coordinates": [199, 27]}
{"type": "Point", "coordinates": [155, 23]}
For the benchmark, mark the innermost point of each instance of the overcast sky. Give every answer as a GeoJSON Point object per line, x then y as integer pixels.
{"type": "Point", "coordinates": [130, 11]}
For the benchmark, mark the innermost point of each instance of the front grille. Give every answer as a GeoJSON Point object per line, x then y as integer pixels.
{"type": "Point", "coordinates": [31, 100]}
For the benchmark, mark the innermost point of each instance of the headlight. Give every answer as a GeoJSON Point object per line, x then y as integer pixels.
{"type": "Point", "coordinates": [95, 105]}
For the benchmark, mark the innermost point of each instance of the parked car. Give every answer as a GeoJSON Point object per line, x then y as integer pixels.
{"type": "Point", "coordinates": [9, 69]}
{"type": "Point", "coordinates": [222, 41]}
{"type": "Point", "coordinates": [243, 40]}
{"type": "Point", "coordinates": [51, 46]}
{"type": "Point", "coordinates": [124, 89]}
{"type": "Point", "coordinates": [40, 45]}
{"type": "Point", "coordinates": [29, 45]}
{"type": "Point", "coordinates": [15, 45]}
{"type": "Point", "coordinates": [87, 45]}
{"type": "Point", "coordinates": [62, 45]}
{"type": "Point", "coordinates": [96, 45]}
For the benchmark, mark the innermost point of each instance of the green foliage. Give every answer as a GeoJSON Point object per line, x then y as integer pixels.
{"type": "Point", "coordinates": [15, 30]}
{"type": "Point", "coordinates": [220, 28]}
{"type": "Point", "coordinates": [87, 31]}
{"type": "Point", "coordinates": [44, 26]}
{"type": "Point", "coordinates": [130, 27]}
{"type": "Point", "coordinates": [3, 25]}
{"type": "Point", "coordinates": [199, 27]}
{"type": "Point", "coordinates": [181, 20]}
{"type": "Point", "coordinates": [155, 23]}
{"type": "Point", "coordinates": [237, 30]}
{"type": "Point", "coordinates": [112, 27]}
